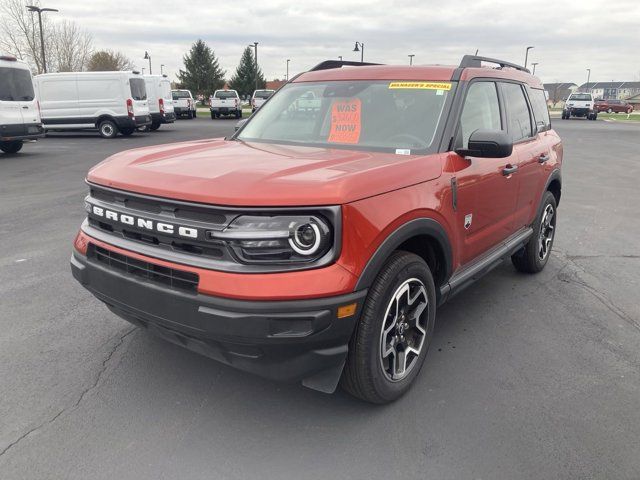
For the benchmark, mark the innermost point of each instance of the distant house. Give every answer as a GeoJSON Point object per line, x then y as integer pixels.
{"type": "Point", "coordinates": [612, 90]}
{"type": "Point", "coordinates": [558, 92]}
{"type": "Point", "coordinates": [635, 101]}
{"type": "Point", "coordinates": [275, 84]}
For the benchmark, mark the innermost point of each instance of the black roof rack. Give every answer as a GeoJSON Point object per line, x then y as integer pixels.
{"type": "Point", "coordinates": [327, 64]}
{"type": "Point", "coordinates": [474, 61]}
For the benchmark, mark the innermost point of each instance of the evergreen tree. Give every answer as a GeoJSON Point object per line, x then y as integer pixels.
{"type": "Point", "coordinates": [202, 73]}
{"type": "Point", "coordinates": [244, 80]}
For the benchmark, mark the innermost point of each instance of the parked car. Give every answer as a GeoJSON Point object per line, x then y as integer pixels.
{"type": "Point", "coordinates": [160, 100]}
{"type": "Point", "coordinates": [580, 105]}
{"type": "Point", "coordinates": [225, 102]}
{"type": "Point", "coordinates": [613, 106]}
{"type": "Point", "coordinates": [184, 104]}
{"type": "Point", "coordinates": [111, 102]}
{"type": "Point", "coordinates": [19, 112]}
{"type": "Point", "coordinates": [259, 97]}
{"type": "Point", "coordinates": [317, 248]}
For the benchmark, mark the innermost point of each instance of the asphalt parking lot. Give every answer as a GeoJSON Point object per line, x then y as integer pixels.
{"type": "Point", "coordinates": [528, 376]}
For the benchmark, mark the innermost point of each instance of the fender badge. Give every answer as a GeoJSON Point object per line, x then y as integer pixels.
{"type": "Point", "coordinates": [468, 218]}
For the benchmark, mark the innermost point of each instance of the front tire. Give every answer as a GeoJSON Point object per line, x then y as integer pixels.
{"type": "Point", "coordinates": [107, 129]}
{"type": "Point", "coordinates": [535, 254]}
{"type": "Point", "coordinates": [11, 147]}
{"type": "Point", "coordinates": [390, 343]}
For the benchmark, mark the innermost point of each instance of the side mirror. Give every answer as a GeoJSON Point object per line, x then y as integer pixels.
{"type": "Point", "coordinates": [488, 144]}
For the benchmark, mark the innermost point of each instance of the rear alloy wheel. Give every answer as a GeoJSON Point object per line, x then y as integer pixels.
{"type": "Point", "coordinates": [11, 147]}
{"type": "Point", "coordinates": [390, 343]}
{"type": "Point", "coordinates": [107, 129]}
{"type": "Point", "coordinates": [535, 254]}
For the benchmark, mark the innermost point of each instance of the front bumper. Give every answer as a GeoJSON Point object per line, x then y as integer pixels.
{"type": "Point", "coordinates": [293, 341]}
{"type": "Point", "coordinates": [11, 132]}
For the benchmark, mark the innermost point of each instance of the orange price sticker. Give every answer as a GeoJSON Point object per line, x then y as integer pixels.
{"type": "Point", "coordinates": [345, 121]}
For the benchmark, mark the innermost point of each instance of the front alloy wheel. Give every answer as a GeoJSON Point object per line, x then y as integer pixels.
{"type": "Point", "coordinates": [404, 329]}
{"type": "Point", "coordinates": [390, 342]}
{"type": "Point", "coordinates": [547, 229]}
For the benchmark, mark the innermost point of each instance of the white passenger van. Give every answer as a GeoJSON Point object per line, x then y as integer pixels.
{"type": "Point", "coordinates": [19, 115]}
{"type": "Point", "coordinates": [111, 102]}
{"type": "Point", "coordinates": [160, 100]}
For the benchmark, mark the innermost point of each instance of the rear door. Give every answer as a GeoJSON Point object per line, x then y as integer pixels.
{"type": "Point", "coordinates": [486, 192]}
{"type": "Point", "coordinates": [27, 100]}
{"type": "Point", "coordinates": [138, 92]}
{"type": "Point", "coordinates": [10, 107]}
{"type": "Point", "coordinates": [528, 148]}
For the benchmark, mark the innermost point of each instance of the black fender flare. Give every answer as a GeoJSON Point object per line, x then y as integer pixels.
{"type": "Point", "coordinates": [554, 175]}
{"type": "Point", "coordinates": [418, 226]}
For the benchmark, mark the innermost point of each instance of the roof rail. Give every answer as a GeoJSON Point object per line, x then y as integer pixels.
{"type": "Point", "coordinates": [327, 64]}
{"type": "Point", "coordinates": [475, 61]}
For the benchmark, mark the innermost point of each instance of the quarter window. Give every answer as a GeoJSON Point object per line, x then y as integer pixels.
{"type": "Point", "coordinates": [540, 109]}
{"type": "Point", "coordinates": [518, 116]}
{"type": "Point", "coordinates": [481, 111]}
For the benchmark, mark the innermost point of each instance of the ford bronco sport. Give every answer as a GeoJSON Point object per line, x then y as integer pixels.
{"type": "Point", "coordinates": [315, 245]}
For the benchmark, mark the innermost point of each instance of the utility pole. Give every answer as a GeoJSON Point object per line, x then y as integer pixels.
{"type": "Point", "coordinates": [588, 78]}
{"type": "Point", "coordinates": [39, 10]}
{"type": "Point", "coordinates": [255, 54]}
{"type": "Point", "coordinates": [288, 60]}
{"type": "Point", "coordinates": [411, 58]}
{"type": "Point", "coordinates": [526, 56]}
{"type": "Point", "coordinates": [534, 67]}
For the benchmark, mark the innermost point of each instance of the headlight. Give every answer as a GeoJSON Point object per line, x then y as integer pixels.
{"type": "Point", "coordinates": [277, 239]}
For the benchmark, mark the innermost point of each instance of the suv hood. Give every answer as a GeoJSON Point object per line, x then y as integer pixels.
{"type": "Point", "coordinates": [235, 173]}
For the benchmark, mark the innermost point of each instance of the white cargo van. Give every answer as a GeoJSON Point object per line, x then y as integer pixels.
{"type": "Point", "coordinates": [160, 100]}
{"type": "Point", "coordinates": [111, 102]}
{"type": "Point", "coordinates": [183, 103]}
{"type": "Point", "coordinates": [19, 115]}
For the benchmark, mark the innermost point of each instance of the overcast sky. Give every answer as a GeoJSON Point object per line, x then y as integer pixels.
{"type": "Point", "coordinates": [569, 36]}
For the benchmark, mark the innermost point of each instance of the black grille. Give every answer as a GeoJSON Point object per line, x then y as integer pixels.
{"type": "Point", "coordinates": [170, 277]}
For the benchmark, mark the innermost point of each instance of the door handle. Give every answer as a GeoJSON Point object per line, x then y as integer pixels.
{"type": "Point", "coordinates": [26, 108]}
{"type": "Point", "coordinates": [543, 158]}
{"type": "Point", "coordinates": [509, 169]}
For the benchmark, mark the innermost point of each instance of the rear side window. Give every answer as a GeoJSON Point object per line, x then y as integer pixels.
{"type": "Point", "coordinates": [15, 85]}
{"type": "Point", "coordinates": [481, 111]}
{"type": "Point", "coordinates": [518, 116]}
{"type": "Point", "coordinates": [540, 109]}
{"type": "Point", "coordinates": [138, 89]}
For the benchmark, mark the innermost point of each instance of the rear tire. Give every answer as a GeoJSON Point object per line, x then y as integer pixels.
{"type": "Point", "coordinates": [390, 342]}
{"type": "Point", "coordinates": [213, 116]}
{"type": "Point", "coordinates": [127, 131]}
{"type": "Point", "coordinates": [195, 113]}
{"type": "Point", "coordinates": [154, 126]}
{"type": "Point", "coordinates": [535, 254]}
{"type": "Point", "coordinates": [609, 110]}
{"type": "Point", "coordinates": [107, 129]}
{"type": "Point", "coordinates": [11, 147]}
{"type": "Point", "coordinates": [239, 114]}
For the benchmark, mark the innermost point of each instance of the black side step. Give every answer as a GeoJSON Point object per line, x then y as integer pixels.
{"type": "Point", "coordinates": [468, 275]}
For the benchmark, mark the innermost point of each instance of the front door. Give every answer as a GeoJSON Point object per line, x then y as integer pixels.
{"type": "Point", "coordinates": [486, 189]}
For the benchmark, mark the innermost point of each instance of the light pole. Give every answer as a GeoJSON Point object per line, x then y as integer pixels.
{"type": "Point", "coordinates": [361, 50]}
{"type": "Point", "coordinates": [288, 60]}
{"type": "Point", "coordinates": [588, 78]}
{"type": "Point", "coordinates": [526, 56]}
{"type": "Point", "coordinates": [148, 57]}
{"type": "Point", "coordinates": [534, 67]}
{"type": "Point", "coordinates": [255, 55]}
{"type": "Point", "coordinates": [162, 69]}
{"type": "Point", "coordinates": [33, 8]}
{"type": "Point", "coordinates": [411, 55]}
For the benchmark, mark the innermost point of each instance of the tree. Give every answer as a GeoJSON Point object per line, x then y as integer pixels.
{"type": "Point", "coordinates": [202, 74]}
{"type": "Point", "coordinates": [71, 47]}
{"type": "Point", "coordinates": [244, 80]}
{"type": "Point", "coordinates": [67, 46]}
{"type": "Point", "coordinates": [108, 61]}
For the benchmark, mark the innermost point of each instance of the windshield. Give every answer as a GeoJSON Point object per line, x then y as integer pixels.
{"type": "Point", "coordinates": [15, 85]}
{"type": "Point", "coordinates": [180, 94]}
{"type": "Point", "coordinates": [226, 94]}
{"type": "Point", "coordinates": [138, 89]}
{"type": "Point", "coordinates": [263, 94]}
{"type": "Point", "coordinates": [368, 115]}
{"type": "Point", "coordinates": [580, 97]}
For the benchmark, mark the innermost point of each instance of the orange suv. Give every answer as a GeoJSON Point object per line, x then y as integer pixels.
{"type": "Point", "coordinates": [316, 244]}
